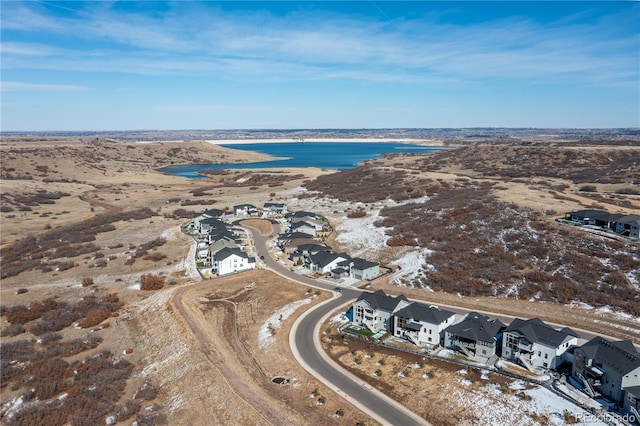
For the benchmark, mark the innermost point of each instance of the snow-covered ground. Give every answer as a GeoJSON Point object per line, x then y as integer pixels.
{"type": "Point", "coordinates": [361, 235]}
{"type": "Point", "coordinates": [518, 405]}
{"type": "Point", "coordinates": [265, 335]}
{"type": "Point", "coordinates": [410, 264]}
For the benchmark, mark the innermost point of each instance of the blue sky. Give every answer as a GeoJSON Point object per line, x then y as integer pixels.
{"type": "Point", "coordinates": [226, 65]}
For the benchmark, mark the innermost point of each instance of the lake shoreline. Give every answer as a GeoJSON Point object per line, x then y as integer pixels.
{"type": "Point", "coordinates": [425, 142]}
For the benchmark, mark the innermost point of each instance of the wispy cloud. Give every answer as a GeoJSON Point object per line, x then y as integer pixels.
{"type": "Point", "coordinates": [15, 86]}
{"type": "Point", "coordinates": [200, 39]}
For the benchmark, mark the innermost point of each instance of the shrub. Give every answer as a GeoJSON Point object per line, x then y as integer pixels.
{"type": "Point", "coordinates": [95, 317]}
{"type": "Point", "coordinates": [587, 188]}
{"type": "Point", "coordinates": [151, 282]}
{"type": "Point", "coordinates": [87, 281]}
{"type": "Point", "coordinates": [12, 330]}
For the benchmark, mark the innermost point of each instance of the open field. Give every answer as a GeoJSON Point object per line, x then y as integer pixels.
{"type": "Point", "coordinates": [90, 217]}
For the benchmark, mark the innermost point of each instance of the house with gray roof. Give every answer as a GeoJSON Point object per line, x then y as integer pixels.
{"type": "Point", "coordinates": [421, 324]}
{"type": "Point", "coordinates": [600, 218]}
{"type": "Point", "coordinates": [363, 269]}
{"type": "Point", "coordinates": [323, 262]}
{"type": "Point", "coordinates": [535, 344]}
{"type": "Point", "coordinates": [475, 336]}
{"type": "Point", "coordinates": [304, 227]}
{"type": "Point", "coordinates": [207, 214]}
{"type": "Point", "coordinates": [284, 239]}
{"type": "Point", "coordinates": [274, 209]}
{"type": "Point", "coordinates": [375, 310]}
{"type": "Point", "coordinates": [610, 369]}
{"type": "Point", "coordinates": [628, 226]}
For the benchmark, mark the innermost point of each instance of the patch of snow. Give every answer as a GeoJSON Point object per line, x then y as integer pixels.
{"type": "Point", "coordinates": [485, 375]}
{"type": "Point", "coordinates": [360, 235]}
{"type": "Point", "coordinates": [11, 407]}
{"type": "Point", "coordinates": [340, 318]}
{"type": "Point", "coordinates": [620, 315]}
{"type": "Point", "coordinates": [173, 403]}
{"type": "Point", "coordinates": [265, 337]}
{"type": "Point", "coordinates": [493, 407]}
{"type": "Point", "coordinates": [464, 371]}
{"type": "Point", "coordinates": [517, 385]}
{"type": "Point", "coordinates": [410, 264]}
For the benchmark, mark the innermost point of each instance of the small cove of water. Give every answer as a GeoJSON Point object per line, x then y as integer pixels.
{"type": "Point", "coordinates": [324, 155]}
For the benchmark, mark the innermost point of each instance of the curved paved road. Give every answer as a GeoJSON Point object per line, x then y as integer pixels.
{"type": "Point", "coordinates": [304, 335]}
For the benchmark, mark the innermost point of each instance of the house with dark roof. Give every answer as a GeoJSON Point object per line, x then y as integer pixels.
{"type": "Point", "coordinates": [323, 262]}
{"type": "Point", "coordinates": [229, 260]}
{"type": "Point", "coordinates": [207, 214]}
{"type": "Point", "coordinates": [363, 269]}
{"type": "Point", "coordinates": [421, 324]}
{"type": "Point", "coordinates": [610, 369]}
{"type": "Point", "coordinates": [304, 227]}
{"type": "Point", "coordinates": [212, 226]}
{"type": "Point", "coordinates": [375, 310]}
{"type": "Point", "coordinates": [301, 214]}
{"type": "Point", "coordinates": [274, 209]}
{"type": "Point", "coordinates": [600, 218]}
{"type": "Point", "coordinates": [475, 336]}
{"type": "Point", "coordinates": [628, 226]}
{"type": "Point", "coordinates": [284, 239]}
{"type": "Point", "coordinates": [535, 344]}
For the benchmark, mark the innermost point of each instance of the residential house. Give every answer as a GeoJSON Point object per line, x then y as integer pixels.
{"type": "Point", "coordinates": [207, 214]}
{"type": "Point", "coordinates": [362, 269]}
{"type": "Point", "coordinates": [628, 225]}
{"type": "Point", "coordinates": [375, 310]}
{"type": "Point", "coordinates": [536, 344]}
{"type": "Point", "coordinates": [421, 324]}
{"type": "Point", "coordinates": [245, 210]}
{"type": "Point", "coordinates": [230, 260]}
{"type": "Point", "coordinates": [274, 209]}
{"type": "Point", "coordinates": [225, 241]}
{"type": "Point", "coordinates": [475, 335]}
{"type": "Point", "coordinates": [610, 369]}
{"type": "Point", "coordinates": [212, 226]}
{"type": "Point", "coordinates": [599, 218]}
{"type": "Point", "coordinates": [301, 214]}
{"type": "Point", "coordinates": [284, 239]}
{"type": "Point", "coordinates": [304, 227]}
{"type": "Point", "coordinates": [317, 224]}
{"type": "Point", "coordinates": [324, 262]}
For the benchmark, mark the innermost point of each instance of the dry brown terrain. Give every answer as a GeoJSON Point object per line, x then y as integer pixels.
{"type": "Point", "coordinates": [181, 340]}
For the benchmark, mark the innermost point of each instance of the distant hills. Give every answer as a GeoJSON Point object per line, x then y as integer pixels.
{"type": "Point", "coordinates": [447, 134]}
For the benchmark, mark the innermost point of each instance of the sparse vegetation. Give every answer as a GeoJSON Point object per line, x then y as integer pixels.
{"type": "Point", "coordinates": [151, 282]}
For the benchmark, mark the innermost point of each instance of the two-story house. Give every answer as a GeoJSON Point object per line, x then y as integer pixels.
{"type": "Point", "coordinates": [421, 324]}
{"type": "Point", "coordinates": [475, 335]}
{"type": "Point", "coordinates": [375, 310]}
{"type": "Point", "coordinates": [536, 344]}
{"type": "Point", "coordinates": [609, 368]}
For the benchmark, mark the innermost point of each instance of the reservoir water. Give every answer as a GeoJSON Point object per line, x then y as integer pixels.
{"type": "Point", "coordinates": [324, 155]}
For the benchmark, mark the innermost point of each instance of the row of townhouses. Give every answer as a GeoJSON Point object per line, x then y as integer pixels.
{"type": "Point", "coordinates": [627, 225]}
{"type": "Point", "coordinates": [609, 369]}
{"type": "Point", "coordinates": [301, 243]}
{"type": "Point", "coordinates": [219, 249]}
